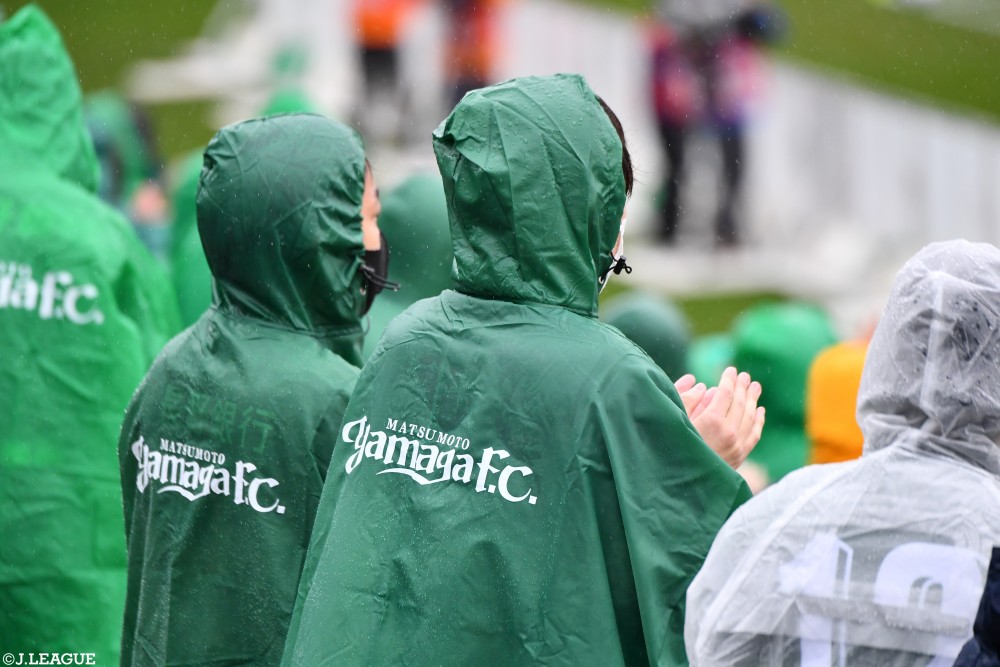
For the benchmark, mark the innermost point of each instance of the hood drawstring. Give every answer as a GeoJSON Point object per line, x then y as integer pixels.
{"type": "Point", "coordinates": [620, 266]}
{"type": "Point", "coordinates": [384, 283]}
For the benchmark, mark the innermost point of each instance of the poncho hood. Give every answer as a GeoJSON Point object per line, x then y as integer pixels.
{"type": "Point", "coordinates": [41, 109]}
{"type": "Point", "coordinates": [279, 214]}
{"type": "Point", "coordinates": [776, 344]}
{"type": "Point", "coordinates": [656, 325]}
{"type": "Point", "coordinates": [532, 173]}
{"type": "Point", "coordinates": [932, 376]}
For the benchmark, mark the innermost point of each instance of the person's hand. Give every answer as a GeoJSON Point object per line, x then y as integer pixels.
{"type": "Point", "coordinates": [691, 392]}
{"type": "Point", "coordinates": [726, 416]}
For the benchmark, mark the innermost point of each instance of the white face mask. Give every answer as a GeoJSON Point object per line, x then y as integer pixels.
{"type": "Point", "coordinates": [617, 254]}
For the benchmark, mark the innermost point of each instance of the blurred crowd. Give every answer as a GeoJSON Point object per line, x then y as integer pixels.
{"type": "Point", "coordinates": [367, 427]}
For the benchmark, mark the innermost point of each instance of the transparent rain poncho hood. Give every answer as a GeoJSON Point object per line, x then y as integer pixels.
{"type": "Point", "coordinates": [879, 561]}
{"type": "Point", "coordinates": [932, 376]}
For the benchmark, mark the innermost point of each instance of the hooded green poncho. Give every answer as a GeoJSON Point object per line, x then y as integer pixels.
{"type": "Point", "coordinates": [515, 483]}
{"type": "Point", "coordinates": [226, 444]}
{"type": "Point", "coordinates": [83, 311]}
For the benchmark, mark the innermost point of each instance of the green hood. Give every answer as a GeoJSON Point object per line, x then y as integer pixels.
{"type": "Point", "coordinates": [533, 178]}
{"type": "Point", "coordinates": [191, 276]}
{"type": "Point", "coordinates": [776, 344]}
{"type": "Point", "coordinates": [183, 198]}
{"type": "Point", "coordinates": [414, 220]}
{"type": "Point", "coordinates": [657, 326]}
{"type": "Point", "coordinates": [288, 100]}
{"type": "Point", "coordinates": [41, 114]}
{"type": "Point", "coordinates": [709, 355]}
{"type": "Point", "coordinates": [279, 214]}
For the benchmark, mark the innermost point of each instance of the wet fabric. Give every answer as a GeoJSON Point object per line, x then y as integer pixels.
{"type": "Point", "coordinates": [776, 343]}
{"type": "Point", "coordinates": [189, 271]}
{"type": "Point", "coordinates": [226, 444]}
{"type": "Point", "coordinates": [83, 311]}
{"type": "Point", "coordinates": [655, 325]}
{"type": "Point", "coordinates": [983, 650]}
{"type": "Point", "coordinates": [414, 220]}
{"type": "Point", "coordinates": [831, 402]}
{"type": "Point", "coordinates": [879, 561]}
{"type": "Point", "coordinates": [515, 482]}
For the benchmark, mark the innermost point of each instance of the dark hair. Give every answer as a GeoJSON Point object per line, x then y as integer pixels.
{"type": "Point", "coordinates": [626, 156]}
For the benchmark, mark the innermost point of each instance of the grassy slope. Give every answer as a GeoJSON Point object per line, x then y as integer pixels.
{"type": "Point", "coordinates": [901, 51]}
{"type": "Point", "coordinates": [105, 38]}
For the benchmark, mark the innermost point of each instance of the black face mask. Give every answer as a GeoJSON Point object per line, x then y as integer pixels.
{"type": "Point", "coordinates": [375, 271]}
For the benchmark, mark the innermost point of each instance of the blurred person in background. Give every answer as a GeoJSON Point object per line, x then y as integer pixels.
{"type": "Point", "coordinates": [379, 26]}
{"type": "Point", "coordinates": [189, 272]}
{"type": "Point", "coordinates": [983, 650]}
{"type": "Point", "coordinates": [131, 172]}
{"type": "Point", "coordinates": [225, 445]}
{"type": "Point", "coordinates": [84, 309]}
{"type": "Point", "coordinates": [704, 73]}
{"type": "Point", "coordinates": [414, 219]}
{"type": "Point", "coordinates": [515, 481]}
{"type": "Point", "coordinates": [831, 403]}
{"type": "Point", "coordinates": [191, 277]}
{"type": "Point", "coordinates": [657, 326]}
{"type": "Point", "coordinates": [882, 560]}
{"type": "Point", "coordinates": [472, 46]}
{"type": "Point", "coordinates": [777, 342]}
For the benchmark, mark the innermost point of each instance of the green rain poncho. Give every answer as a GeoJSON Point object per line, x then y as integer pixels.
{"type": "Point", "coordinates": [83, 311]}
{"type": "Point", "coordinates": [226, 444]}
{"type": "Point", "coordinates": [414, 220]}
{"type": "Point", "coordinates": [515, 483]}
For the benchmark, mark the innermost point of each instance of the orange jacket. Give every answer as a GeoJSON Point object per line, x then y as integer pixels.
{"type": "Point", "coordinates": [380, 23]}
{"type": "Point", "coordinates": [831, 403]}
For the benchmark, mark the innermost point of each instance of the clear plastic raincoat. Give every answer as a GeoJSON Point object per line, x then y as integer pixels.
{"type": "Point", "coordinates": [879, 561]}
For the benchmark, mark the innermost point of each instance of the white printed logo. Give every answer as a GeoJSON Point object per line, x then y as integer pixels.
{"type": "Point", "coordinates": [56, 298]}
{"type": "Point", "coordinates": [429, 464]}
{"type": "Point", "coordinates": [820, 578]}
{"type": "Point", "coordinates": [194, 473]}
